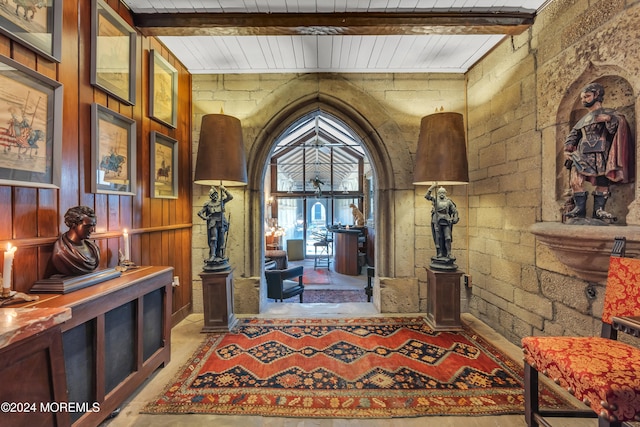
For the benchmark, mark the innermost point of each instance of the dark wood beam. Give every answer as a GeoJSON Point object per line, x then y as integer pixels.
{"type": "Point", "coordinates": [348, 23]}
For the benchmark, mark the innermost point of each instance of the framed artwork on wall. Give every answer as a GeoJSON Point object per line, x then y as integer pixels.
{"type": "Point", "coordinates": [34, 24]}
{"type": "Point", "coordinates": [113, 151]}
{"type": "Point", "coordinates": [164, 166]}
{"type": "Point", "coordinates": [113, 53]}
{"type": "Point", "coordinates": [163, 90]}
{"type": "Point", "coordinates": [30, 127]}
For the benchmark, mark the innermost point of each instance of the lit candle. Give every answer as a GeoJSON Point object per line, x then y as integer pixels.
{"type": "Point", "coordinates": [126, 245]}
{"type": "Point", "coordinates": [8, 262]}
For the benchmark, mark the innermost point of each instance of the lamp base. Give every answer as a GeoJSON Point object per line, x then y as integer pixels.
{"type": "Point", "coordinates": [443, 263]}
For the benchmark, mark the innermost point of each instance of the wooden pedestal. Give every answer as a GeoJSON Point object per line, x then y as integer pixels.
{"type": "Point", "coordinates": [443, 300]}
{"type": "Point", "coordinates": [217, 291]}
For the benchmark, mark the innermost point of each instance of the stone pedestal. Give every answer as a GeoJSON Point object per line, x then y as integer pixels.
{"type": "Point", "coordinates": [443, 300]}
{"type": "Point", "coordinates": [217, 292]}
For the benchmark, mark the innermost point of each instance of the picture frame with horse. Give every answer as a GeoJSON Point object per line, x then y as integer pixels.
{"type": "Point", "coordinates": [113, 151]}
{"type": "Point", "coordinates": [30, 127]}
{"type": "Point", "coordinates": [164, 166]}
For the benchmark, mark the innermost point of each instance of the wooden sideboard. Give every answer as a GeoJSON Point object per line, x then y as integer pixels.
{"type": "Point", "coordinates": [32, 373]}
{"type": "Point", "coordinates": [118, 335]}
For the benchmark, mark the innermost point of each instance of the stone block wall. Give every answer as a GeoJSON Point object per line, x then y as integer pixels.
{"type": "Point", "coordinates": [514, 98]}
{"type": "Point", "coordinates": [389, 105]}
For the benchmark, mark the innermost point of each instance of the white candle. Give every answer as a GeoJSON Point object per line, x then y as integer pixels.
{"type": "Point", "coordinates": [8, 263]}
{"type": "Point", "coordinates": [127, 246]}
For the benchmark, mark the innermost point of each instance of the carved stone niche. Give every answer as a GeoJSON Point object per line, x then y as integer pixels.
{"type": "Point", "coordinates": [585, 249]}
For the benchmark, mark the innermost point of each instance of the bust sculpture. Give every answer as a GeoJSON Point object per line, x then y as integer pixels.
{"type": "Point", "coordinates": [73, 253]}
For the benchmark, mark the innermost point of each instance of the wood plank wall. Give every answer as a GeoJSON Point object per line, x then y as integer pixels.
{"type": "Point", "coordinates": [160, 229]}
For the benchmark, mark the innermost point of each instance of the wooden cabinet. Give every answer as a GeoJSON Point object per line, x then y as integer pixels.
{"type": "Point", "coordinates": [118, 335]}
{"type": "Point", "coordinates": [347, 251]}
{"type": "Point", "coordinates": [32, 375]}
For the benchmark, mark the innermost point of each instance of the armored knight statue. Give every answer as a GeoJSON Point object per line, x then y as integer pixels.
{"type": "Point", "coordinates": [598, 150]}
{"type": "Point", "coordinates": [444, 215]}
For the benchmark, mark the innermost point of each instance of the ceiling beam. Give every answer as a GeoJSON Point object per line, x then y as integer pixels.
{"type": "Point", "coordinates": [348, 23]}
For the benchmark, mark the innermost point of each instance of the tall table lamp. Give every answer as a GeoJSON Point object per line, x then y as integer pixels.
{"type": "Point", "coordinates": [441, 159]}
{"type": "Point", "coordinates": [221, 162]}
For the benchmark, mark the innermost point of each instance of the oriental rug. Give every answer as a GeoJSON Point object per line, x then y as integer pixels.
{"type": "Point", "coordinates": [315, 276]}
{"type": "Point", "coordinates": [346, 368]}
{"type": "Point", "coordinates": [329, 296]}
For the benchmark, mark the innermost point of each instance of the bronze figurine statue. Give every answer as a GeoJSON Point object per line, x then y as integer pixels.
{"type": "Point", "coordinates": [444, 215]}
{"type": "Point", "coordinates": [598, 150]}
{"type": "Point", "coordinates": [73, 253]}
{"type": "Point", "coordinates": [217, 228]}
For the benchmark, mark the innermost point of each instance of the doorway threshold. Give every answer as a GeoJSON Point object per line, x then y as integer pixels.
{"type": "Point", "coordinates": [348, 309]}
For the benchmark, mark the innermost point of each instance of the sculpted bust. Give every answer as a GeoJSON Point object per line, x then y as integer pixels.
{"type": "Point", "coordinates": [73, 253]}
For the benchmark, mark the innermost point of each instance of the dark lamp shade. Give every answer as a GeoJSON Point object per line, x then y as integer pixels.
{"type": "Point", "coordinates": [442, 151]}
{"type": "Point", "coordinates": [221, 158]}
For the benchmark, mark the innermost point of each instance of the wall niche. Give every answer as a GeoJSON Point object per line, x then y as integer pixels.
{"type": "Point", "coordinates": [585, 249]}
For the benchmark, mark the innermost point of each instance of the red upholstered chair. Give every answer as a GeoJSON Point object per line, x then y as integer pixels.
{"type": "Point", "coordinates": [600, 371]}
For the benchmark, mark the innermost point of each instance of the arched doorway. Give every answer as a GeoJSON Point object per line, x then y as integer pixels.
{"type": "Point", "coordinates": [381, 196]}
{"type": "Point", "coordinates": [318, 176]}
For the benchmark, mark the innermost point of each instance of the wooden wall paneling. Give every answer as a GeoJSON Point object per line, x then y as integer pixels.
{"type": "Point", "coordinates": [135, 249]}
{"type": "Point", "coordinates": [144, 247]}
{"type": "Point", "coordinates": [126, 215]}
{"type": "Point", "coordinates": [47, 68]}
{"type": "Point", "coordinates": [5, 47]}
{"type": "Point", "coordinates": [104, 248]}
{"type": "Point", "coordinates": [155, 213]}
{"type": "Point", "coordinates": [6, 214]}
{"type": "Point", "coordinates": [75, 45]}
{"type": "Point", "coordinates": [113, 220]}
{"type": "Point", "coordinates": [24, 275]}
{"type": "Point", "coordinates": [102, 212]}
{"type": "Point", "coordinates": [47, 212]}
{"type": "Point", "coordinates": [24, 55]}
{"type": "Point", "coordinates": [155, 248]}
{"type": "Point", "coordinates": [25, 205]}
{"type": "Point", "coordinates": [45, 267]}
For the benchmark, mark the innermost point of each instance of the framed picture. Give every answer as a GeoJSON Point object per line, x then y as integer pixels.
{"type": "Point", "coordinates": [30, 127]}
{"type": "Point", "coordinates": [113, 53]}
{"type": "Point", "coordinates": [164, 166]}
{"type": "Point", "coordinates": [113, 148]}
{"type": "Point", "coordinates": [35, 24]}
{"type": "Point", "coordinates": [163, 90]}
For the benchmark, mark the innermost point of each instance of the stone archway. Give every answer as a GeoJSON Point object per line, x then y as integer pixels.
{"type": "Point", "coordinates": [366, 122]}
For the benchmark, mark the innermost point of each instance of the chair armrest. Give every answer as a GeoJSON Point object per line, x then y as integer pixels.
{"type": "Point", "coordinates": [290, 273]}
{"type": "Point", "coordinates": [628, 325]}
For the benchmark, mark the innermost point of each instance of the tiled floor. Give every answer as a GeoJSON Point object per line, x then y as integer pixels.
{"type": "Point", "coordinates": [186, 337]}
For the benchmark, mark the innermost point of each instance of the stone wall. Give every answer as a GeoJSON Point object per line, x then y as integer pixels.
{"type": "Point", "coordinates": [519, 100]}
{"type": "Point", "coordinates": [386, 110]}
{"type": "Point", "coordinates": [514, 103]}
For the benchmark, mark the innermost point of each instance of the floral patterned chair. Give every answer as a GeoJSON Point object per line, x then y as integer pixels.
{"type": "Point", "coordinates": [600, 371]}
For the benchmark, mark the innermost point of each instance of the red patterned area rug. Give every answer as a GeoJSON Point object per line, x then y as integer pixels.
{"type": "Point", "coordinates": [312, 276]}
{"type": "Point", "coordinates": [346, 368]}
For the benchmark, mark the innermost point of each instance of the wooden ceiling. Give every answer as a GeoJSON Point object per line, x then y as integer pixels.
{"type": "Point", "coordinates": [269, 36]}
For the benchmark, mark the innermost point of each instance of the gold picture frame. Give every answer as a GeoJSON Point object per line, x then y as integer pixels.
{"type": "Point", "coordinates": [163, 90]}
